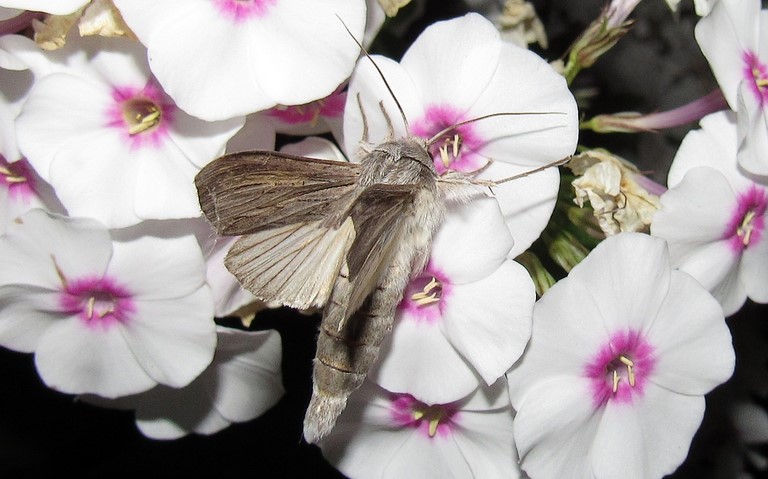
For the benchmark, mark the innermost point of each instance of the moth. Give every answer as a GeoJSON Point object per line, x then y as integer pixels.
{"type": "Point", "coordinates": [345, 237]}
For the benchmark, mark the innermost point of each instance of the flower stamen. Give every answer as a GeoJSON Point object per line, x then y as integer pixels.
{"type": "Point", "coordinates": [744, 231]}
{"type": "Point", "coordinates": [429, 295]}
{"type": "Point", "coordinates": [141, 115]}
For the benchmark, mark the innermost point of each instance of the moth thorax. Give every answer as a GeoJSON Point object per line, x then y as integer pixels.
{"type": "Point", "coordinates": [401, 162]}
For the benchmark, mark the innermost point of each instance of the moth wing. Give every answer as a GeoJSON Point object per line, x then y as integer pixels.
{"type": "Point", "coordinates": [295, 265]}
{"type": "Point", "coordinates": [259, 190]}
{"type": "Point", "coordinates": [378, 219]}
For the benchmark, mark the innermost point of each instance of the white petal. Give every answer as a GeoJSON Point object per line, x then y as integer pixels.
{"type": "Point", "coordinates": [462, 52]}
{"type": "Point", "coordinates": [627, 262]}
{"type": "Point", "coordinates": [257, 133]}
{"type": "Point", "coordinates": [753, 133]}
{"type": "Point", "coordinates": [58, 7]}
{"type": "Point", "coordinates": [691, 340]}
{"type": "Point", "coordinates": [649, 439]}
{"type": "Point", "coordinates": [754, 270]}
{"type": "Point", "coordinates": [472, 242]}
{"type": "Point", "coordinates": [82, 249]}
{"type": "Point", "coordinates": [246, 79]}
{"type": "Point", "coordinates": [526, 203]}
{"type": "Point", "coordinates": [25, 314]}
{"type": "Point", "coordinates": [724, 35]}
{"type": "Point", "coordinates": [161, 332]}
{"type": "Point", "coordinates": [714, 145]}
{"type": "Point", "coordinates": [437, 374]}
{"type": "Point", "coordinates": [77, 359]}
{"type": "Point", "coordinates": [567, 326]}
{"type": "Point", "coordinates": [8, 13]}
{"type": "Point", "coordinates": [525, 83]}
{"type": "Point", "coordinates": [557, 415]}
{"type": "Point", "coordinates": [159, 268]}
{"type": "Point", "coordinates": [249, 379]}
{"type": "Point", "coordinates": [489, 321]}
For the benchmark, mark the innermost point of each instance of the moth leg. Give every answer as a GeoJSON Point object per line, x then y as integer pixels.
{"type": "Point", "coordinates": [390, 128]}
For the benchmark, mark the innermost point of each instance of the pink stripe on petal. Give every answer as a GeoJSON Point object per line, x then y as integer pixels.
{"type": "Point", "coordinates": [98, 302]}
{"type": "Point", "coordinates": [620, 370]}
{"type": "Point", "coordinates": [19, 179]}
{"type": "Point", "coordinates": [756, 75]}
{"type": "Point", "coordinates": [330, 107]}
{"type": "Point", "coordinates": [748, 219]}
{"type": "Point", "coordinates": [438, 420]}
{"type": "Point", "coordinates": [239, 11]}
{"type": "Point", "coordinates": [463, 156]}
{"type": "Point", "coordinates": [132, 105]}
{"type": "Point", "coordinates": [424, 297]}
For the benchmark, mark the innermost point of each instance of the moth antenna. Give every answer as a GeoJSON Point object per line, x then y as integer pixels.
{"type": "Point", "coordinates": [559, 162]}
{"type": "Point", "coordinates": [445, 130]}
{"type": "Point", "coordinates": [386, 83]}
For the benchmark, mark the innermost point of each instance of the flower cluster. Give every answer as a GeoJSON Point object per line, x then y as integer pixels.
{"type": "Point", "coordinates": [567, 318]}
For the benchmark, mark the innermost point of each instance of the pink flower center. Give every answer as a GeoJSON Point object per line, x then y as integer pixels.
{"type": "Point", "coordinates": [17, 177]}
{"type": "Point", "coordinates": [241, 10]}
{"type": "Point", "coordinates": [330, 107]}
{"type": "Point", "coordinates": [432, 420]}
{"type": "Point", "coordinates": [456, 149]}
{"type": "Point", "coordinates": [424, 295]}
{"type": "Point", "coordinates": [756, 74]}
{"type": "Point", "coordinates": [98, 302]}
{"type": "Point", "coordinates": [142, 115]}
{"type": "Point", "coordinates": [620, 369]}
{"type": "Point", "coordinates": [748, 220]}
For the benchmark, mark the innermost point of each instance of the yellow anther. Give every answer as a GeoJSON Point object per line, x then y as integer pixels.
{"type": "Point", "coordinates": [427, 295]}
{"type": "Point", "coordinates": [631, 376]}
{"type": "Point", "coordinates": [431, 299]}
{"type": "Point", "coordinates": [5, 171]}
{"type": "Point", "coordinates": [433, 423]}
{"type": "Point", "coordinates": [616, 379]}
{"type": "Point", "coordinates": [89, 307]}
{"type": "Point", "coordinates": [145, 121]}
{"type": "Point", "coordinates": [761, 82]}
{"type": "Point", "coordinates": [456, 140]}
{"type": "Point", "coordinates": [15, 179]}
{"type": "Point", "coordinates": [626, 361]}
{"type": "Point", "coordinates": [418, 414]}
{"type": "Point", "coordinates": [745, 229]}
{"type": "Point", "coordinates": [444, 156]}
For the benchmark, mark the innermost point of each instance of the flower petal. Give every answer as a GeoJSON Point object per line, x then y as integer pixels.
{"type": "Point", "coordinates": [489, 321]}
{"type": "Point", "coordinates": [692, 342]}
{"type": "Point", "coordinates": [649, 438]}
{"type": "Point", "coordinates": [76, 359]}
{"type": "Point", "coordinates": [627, 262]}
{"type": "Point", "coordinates": [463, 52]}
{"type": "Point", "coordinates": [472, 242]}
{"type": "Point", "coordinates": [556, 415]}
{"type": "Point", "coordinates": [436, 372]}
{"type": "Point", "coordinates": [25, 314]}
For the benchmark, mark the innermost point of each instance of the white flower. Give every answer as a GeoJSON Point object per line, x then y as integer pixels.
{"type": "Point", "coordinates": [733, 38]}
{"type": "Point", "coordinates": [622, 352]}
{"type": "Point", "coordinates": [242, 383]}
{"type": "Point", "coordinates": [56, 7]}
{"type": "Point", "coordinates": [467, 315]}
{"type": "Point", "coordinates": [387, 435]}
{"type": "Point", "coordinates": [21, 190]}
{"type": "Point", "coordinates": [102, 316]}
{"type": "Point", "coordinates": [233, 57]}
{"type": "Point", "coordinates": [458, 70]}
{"type": "Point", "coordinates": [110, 142]}
{"type": "Point", "coordinates": [714, 217]}
{"type": "Point", "coordinates": [314, 118]}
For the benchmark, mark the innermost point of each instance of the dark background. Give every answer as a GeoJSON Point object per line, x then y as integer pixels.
{"type": "Point", "coordinates": [657, 67]}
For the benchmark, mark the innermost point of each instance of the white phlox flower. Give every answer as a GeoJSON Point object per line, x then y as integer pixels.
{"type": "Point", "coordinates": [233, 57]}
{"type": "Point", "coordinates": [714, 217]}
{"type": "Point", "coordinates": [734, 39]}
{"type": "Point", "coordinates": [107, 315]}
{"type": "Point", "coordinates": [56, 7]}
{"type": "Point", "coordinates": [479, 74]}
{"type": "Point", "coordinates": [242, 383]}
{"type": "Point", "coordinates": [113, 145]}
{"type": "Point", "coordinates": [320, 116]}
{"type": "Point", "coordinates": [622, 353]}
{"type": "Point", "coordinates": [466, 318]}
{"type": "Point", "coordinates": [387, 435]}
